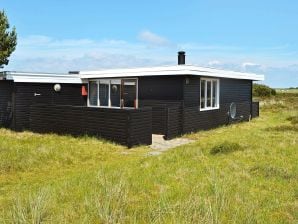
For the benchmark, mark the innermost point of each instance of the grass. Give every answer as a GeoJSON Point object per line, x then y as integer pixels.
{"type": "Point", "coordinates": [226, 147]}
{"type": "Point", "coordinates": [243, 173]}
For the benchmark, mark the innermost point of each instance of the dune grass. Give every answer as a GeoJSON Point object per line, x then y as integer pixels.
{"type": "Point", "coordinates": [244, 173]}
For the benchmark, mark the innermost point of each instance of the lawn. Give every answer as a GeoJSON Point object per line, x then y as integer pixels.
{"type": "Point", "coordinates": [243, 173]}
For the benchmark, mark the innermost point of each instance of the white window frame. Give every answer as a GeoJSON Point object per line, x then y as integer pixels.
{"type": "Point", "coordinates": [217, 97]}
{"type": "Point", "coordinates": [110, 82]}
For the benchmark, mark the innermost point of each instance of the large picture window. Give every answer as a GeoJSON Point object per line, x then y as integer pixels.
{"type": "Point", "coordinates": [116, 93]}
{"type": "Point", "coordinates": [209, 96]}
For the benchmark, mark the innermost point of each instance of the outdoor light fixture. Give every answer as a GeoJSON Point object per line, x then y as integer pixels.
{"type": "Point", "coordinates": [187, 81]}
{"type": "Point", "coordinates": [57, 87]}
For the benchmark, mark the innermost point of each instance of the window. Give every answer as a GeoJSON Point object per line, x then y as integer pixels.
{"type": "Point", "coordinates": [116, 93]}
{"type": "Point", "coordinates": [93, 97]}
{"type": "Point", "coordinates": [103, 93]}
{"type": "Point", "coordinates": [209, 94]}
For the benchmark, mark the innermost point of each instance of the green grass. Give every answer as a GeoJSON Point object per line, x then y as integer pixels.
{"type": "Point", "coordinates": [243, 173]}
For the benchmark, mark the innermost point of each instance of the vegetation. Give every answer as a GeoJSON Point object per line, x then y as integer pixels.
{"type": "Point", "coordinates": [61, 179]}
{"type": "Point", "coordinates": [260, 90]}
{"type": "Point", "coordinates": [226, 147]}
{"type": "Point", "coordinates": [8, 39]}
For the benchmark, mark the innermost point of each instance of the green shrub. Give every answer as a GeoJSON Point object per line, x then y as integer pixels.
{"type": "Point", "coordinates": [226, 147]}
{"type": "Point", "coordinates": [260, 90]}
{"type": "Point", "coordinates": [293, 119]}
{"type": "Point", "coordinates": [270, 171]}
{"type": "Point", "coordinates": [283, 128]}
{"type": "Point", "coordinates": [273, 92]}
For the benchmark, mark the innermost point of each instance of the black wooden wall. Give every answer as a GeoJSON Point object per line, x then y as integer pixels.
{"type": "Point", "coordinates": [27, 94]}
{"type": "Point", "coordinates": [191, 91]}
{"type": "Point", "coordinates": [160, 113]}
{"type": "Point", "coordinates": [175, 114]}
{"type": "Point", "coordinates": [175, 103]}
{"type": "Point", "coordinates": [6, 104]}
{"type": "Point", "coordinates": [160, 93]}
{"type": "Point", "coordinates": [231, 90]}
{"type": "Point", "coordinates": [161, 88]}
{"type": "Point", "coordinates": [127, 127]}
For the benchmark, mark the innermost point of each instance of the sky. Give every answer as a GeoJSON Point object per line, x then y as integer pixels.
{"type": "Point", "coordinates": [69, 35]}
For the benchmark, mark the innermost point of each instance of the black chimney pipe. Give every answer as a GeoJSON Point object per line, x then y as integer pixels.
{"type": "Point", "coordinates": [181, 58]}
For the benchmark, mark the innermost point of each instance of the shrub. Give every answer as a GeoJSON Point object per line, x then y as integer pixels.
{"type": "Point", "coordinates": [293, 119]}
{"type": "Point", "coordinates": [270, 171]}
{"type": "Point", "coordinates": [260, 90]}
{"type": "Point", "coordinates": [273, 92]}
{"type": "Point", "coordinates": [226, 147]}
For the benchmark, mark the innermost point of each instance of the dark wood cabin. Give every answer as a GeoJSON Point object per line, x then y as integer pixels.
{"type": "Point", "coordinates": [183, 98]}
{"type": "Point", "coordinates": [127, 105]}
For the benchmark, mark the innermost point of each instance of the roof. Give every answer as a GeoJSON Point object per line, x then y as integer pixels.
{"type": "Point", "coordinates": [169, 70]}
{"type": "Point", "coordinates": [40, 77]}
{"type": "Point", "coordinates": [82, 76]}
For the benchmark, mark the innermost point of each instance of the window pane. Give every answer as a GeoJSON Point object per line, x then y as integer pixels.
{"type": "Point", "coordinates": [115, 95]}
{"type": "Point", "coordinates": [208, 93]}
{"type": "Point", "coordinates": [203, 93]}
{"type": "Point", "coordinates": [93, 93]}
{"type": "Point", "coordinates": [103, 94]}
{"type": "Point", "coordinates": [214, 93]}
{"type": "Point", "coordinates": [129, 93]}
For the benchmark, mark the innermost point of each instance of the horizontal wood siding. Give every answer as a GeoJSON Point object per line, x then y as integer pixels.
{"type": "Point", "coordinates": [140, 127]}
{"type": "Point", "coordinates": [25, 96]}
{"type": "Point", "coordinates": [159, 113]}
{"type": "Point", "coordinates": [255, 109]}
{"type": "Point", "coordinates": [235, 90]}
{"type": "Point", "coordinates": [6, 112]}
{"type": "Point", "coordinates": [174, 122]}
{"type": "Point", "coordinates": [127, 127]}
{"type": "Point", "coordinates": [160, 93]}
{"type": "Point", "coordinates": [161, 88]}
{"type": "Point", "coordinates": [195, 120]}
{"type": "Point", "coordinates": [191, 91]}
{"type": "Point", "coordinates": [231, 90]}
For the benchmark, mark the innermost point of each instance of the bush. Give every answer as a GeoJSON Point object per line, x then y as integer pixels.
{"type": "Point", "coordinates": [260, 90]}
{"type": "Point", "coordinates": [226, 147]}
{"type": "Point", "coordinates": [293, 119]}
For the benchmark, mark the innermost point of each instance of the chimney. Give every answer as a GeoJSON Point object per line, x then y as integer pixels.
{"type": "Point", "coordinates": [181, 58]}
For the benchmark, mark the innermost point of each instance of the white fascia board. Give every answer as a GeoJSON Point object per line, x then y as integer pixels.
{"type": "Point", "coordinates": [46, 80]}
{"type": "Point", "coordinates": [169, 70]}
{"type": "Point", "coordinates": [42, 77]}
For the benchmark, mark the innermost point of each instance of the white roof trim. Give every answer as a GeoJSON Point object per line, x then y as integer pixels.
{"type": "Point", "coordinates": [170, 70]}
{"type": "Point", "coordinates": [41, 77]}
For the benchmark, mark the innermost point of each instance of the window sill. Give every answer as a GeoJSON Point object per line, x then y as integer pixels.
{"type": "Point", "coordinates": [111, 107]}
{"type": "Point", "coordinates": [210, 108]}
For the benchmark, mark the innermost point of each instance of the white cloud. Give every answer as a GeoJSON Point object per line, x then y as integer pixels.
{"type": "Point", "coordinates": [249, 64]}
{"type": "Point", "coordinates": [214, 63]}
{"type": "Point", "coordinates": [48, 54]}
{"type": "Point", "coordinates": [152, 38]}
{"type": "Point", "coordinates": [207, 47]}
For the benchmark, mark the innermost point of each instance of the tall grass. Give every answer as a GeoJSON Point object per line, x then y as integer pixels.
{"type": "Point", "coordinates": [30, 209]}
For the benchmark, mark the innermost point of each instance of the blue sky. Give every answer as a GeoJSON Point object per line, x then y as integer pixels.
{"type": "Point", "coordinates": [252, 36]}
